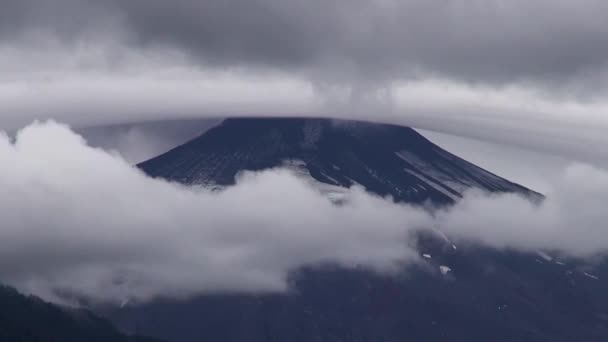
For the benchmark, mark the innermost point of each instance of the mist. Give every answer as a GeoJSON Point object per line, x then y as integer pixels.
{"type": "Point", "coordinates": [517, 117]}
{"type": "Point", "coordinates": [76, 219]}
{"type": "Point", "coordinates": [532, 75]}
{"type": "Point", "coordinates": [79, 220]}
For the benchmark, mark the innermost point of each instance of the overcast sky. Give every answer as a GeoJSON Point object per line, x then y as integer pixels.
{"type": "Point", "coordinates": [519, 87]}
{"type": "Point", "coordinates": [532, 74]}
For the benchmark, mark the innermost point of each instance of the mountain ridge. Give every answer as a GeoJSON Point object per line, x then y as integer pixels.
{"type": "Point", "coordinates": [30, 319]}
{"type": "Point", "coordinates": [458, 292]}
{"type": "Point", "coordinates": [385, 159]}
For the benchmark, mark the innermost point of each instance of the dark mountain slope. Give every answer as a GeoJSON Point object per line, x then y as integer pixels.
{"type": "Point", "coordinates": [485, 295]}
{"type": "Point", "coordinates": [456, 293]}
{"type": "Point", "coordinates": [29, 319]}
{"type": "Point", "coordinates": [385, 159]}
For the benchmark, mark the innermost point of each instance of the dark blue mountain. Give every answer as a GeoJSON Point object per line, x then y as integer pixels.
{"type": "Point", "coordinates": [29, 319]}
{"type": "Point", "coordinates": [467, 294]}
{"type": "Point", "coordinates": [385, 159]}
{"type": "Point", "coordinates": [463, 293]}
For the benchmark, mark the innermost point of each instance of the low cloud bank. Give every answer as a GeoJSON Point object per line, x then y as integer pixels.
{"type": "Point", "coordinates": [571, 220]}
{"type": "Point", "coordinates": [78, 219]}
{"type": "Point", "coordinates": [81, 220]}
{"type": "Point", "coordinates": [531, 74]}
{"type": "Point", "coordinates": [518, 115]}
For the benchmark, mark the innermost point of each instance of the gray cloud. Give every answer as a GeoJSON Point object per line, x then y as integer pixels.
{"type": "Point", "coordinates": [533, 169]}
{"type": "Point", "coordinates": [78, 219]}
{"type": "Point", "coordinates": [492, 42]}
{"type": "Point", "coordinates": [137, 142]}
{"type": "Point", "coordinates": [513, 116]}
{"type": "Point", "coordinates": [571, 220]}
{"type": "Point", "coordinates": [523, 73]}
{"type": "Point", "coordinates": [68, 20]}
{"type": "Point", "coordinates": [526, 73]}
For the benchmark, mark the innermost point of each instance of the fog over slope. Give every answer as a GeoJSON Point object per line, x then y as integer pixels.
{"type": "Point", "coordinates": [533, 75]}
{"type": "Point", "coordinates": [81, 220]}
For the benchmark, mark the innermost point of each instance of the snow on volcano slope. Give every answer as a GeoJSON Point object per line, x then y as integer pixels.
{"type": "Point", "coordinates": [385, 159]}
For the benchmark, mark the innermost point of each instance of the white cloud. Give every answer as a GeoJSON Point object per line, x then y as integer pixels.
{"type": "Point", "coordinates": [571, 220]}
{"type": "Point", "coordinates": [516, 115]}
{"type": "Point", "coordinates": [79, 219]}
{"type": "Point", "coordinates": [519, 73]}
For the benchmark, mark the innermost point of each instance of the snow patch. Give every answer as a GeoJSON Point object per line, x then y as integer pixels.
{"type": "Point", "coordinates": [329, 177]}
{"type": "Point", "coordinates": [444, 269]}
{"type": "Point", "coordinates": [544, 255]}
{"type": "Point", "coordinates": [433, 184]}
{"type": "Point", "coordinates": [591, 276]}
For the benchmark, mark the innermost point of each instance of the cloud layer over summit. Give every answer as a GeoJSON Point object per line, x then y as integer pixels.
{"type": "Point", "coordinates": [530, 73]}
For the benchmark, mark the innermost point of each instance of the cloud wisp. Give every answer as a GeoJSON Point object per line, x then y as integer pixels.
{"type": "Point", "coordinates": [509, 116]}
{"type": "Point", "coordinates": [571, 220]}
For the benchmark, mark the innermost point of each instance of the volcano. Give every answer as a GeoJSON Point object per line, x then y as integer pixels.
{"type": "Point", "coordinates": [386, 160]}
{"type": "Point", "coordinates": [458, 292]}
